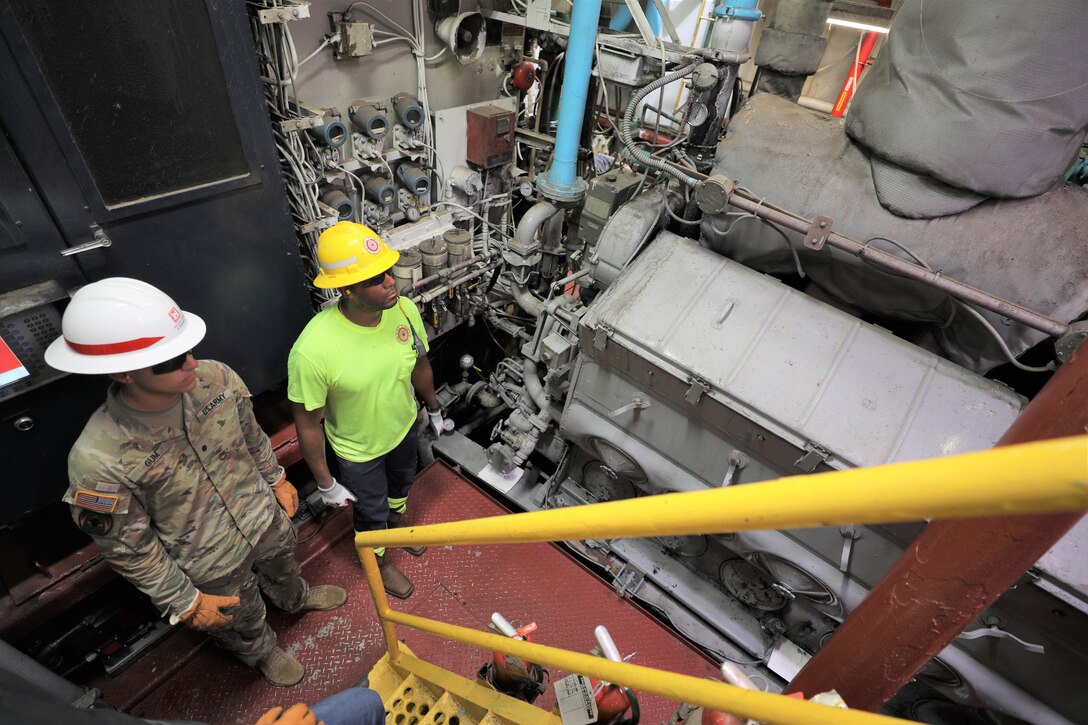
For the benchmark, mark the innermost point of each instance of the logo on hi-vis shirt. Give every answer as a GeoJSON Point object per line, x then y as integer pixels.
{"type": "Point", "coordinates": [403, 334]}
{"type": "Point", "coordinates": [372, 245]}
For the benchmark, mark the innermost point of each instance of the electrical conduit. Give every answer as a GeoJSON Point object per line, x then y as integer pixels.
{"type": "Point", "coordinates": [626, 126]}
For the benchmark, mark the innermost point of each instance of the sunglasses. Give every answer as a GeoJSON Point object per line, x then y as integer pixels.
{"type": "Point", "coordinates": [172, 365]}
{"type": "Point", "coordinates": [373, 281]}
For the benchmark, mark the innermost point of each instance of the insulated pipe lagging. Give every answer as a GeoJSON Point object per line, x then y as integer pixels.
{"type": "Point", "coordinates": [572, 101]}
{"type": "Point", "coordinates": [627, 125]}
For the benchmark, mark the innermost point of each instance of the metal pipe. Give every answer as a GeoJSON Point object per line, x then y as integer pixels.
{"type": "Point", "coordinates": [438, 292]}
{"type": "Point", "coordinates": [561, 283]}
{"type": "Point", "coordinates": [1031, 478]}
{"type": "Point", "coordinates": [525, 237]}
{"type": "Point", "coordinates": [952, 571]}
{"type": "Point", "coordinates": [532, 220]}
{"type": "Point", "coordinates": [621, 17]}
{"type": "Point", "coordinates": [446, 272]}
{"type": "Point", "coordinates": [533, 386]}
{"type": "Point", "coordinates": [561, 181]}
{"type": "Point", "coordinates": [933, 278]}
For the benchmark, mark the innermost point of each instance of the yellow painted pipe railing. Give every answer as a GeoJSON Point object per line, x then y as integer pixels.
{"type": "Point", "coordinates": [1032, 478]}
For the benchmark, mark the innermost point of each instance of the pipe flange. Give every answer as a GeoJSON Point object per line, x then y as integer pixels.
{"type": "Point", "coordinates": [712, 195]}
{"type": "Point", "coordinates": [562, 193]}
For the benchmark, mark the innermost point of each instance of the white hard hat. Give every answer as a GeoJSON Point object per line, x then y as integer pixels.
{"type": "Point", "coordinates": [120, 324]}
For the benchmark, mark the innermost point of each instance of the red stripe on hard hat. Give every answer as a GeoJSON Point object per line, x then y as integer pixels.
{"type": "Point", "coordinates": [113, 348]}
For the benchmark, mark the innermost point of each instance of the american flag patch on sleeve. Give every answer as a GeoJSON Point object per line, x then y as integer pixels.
{"type": "Point", "coordinates": [93, 501]}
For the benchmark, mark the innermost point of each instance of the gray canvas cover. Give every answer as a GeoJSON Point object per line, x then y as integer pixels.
{"type": "Point", "coordinates": [987, 96]}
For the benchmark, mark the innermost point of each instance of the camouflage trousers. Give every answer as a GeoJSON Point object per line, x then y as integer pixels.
{"type": "Point", "coordinates": [270, 568]}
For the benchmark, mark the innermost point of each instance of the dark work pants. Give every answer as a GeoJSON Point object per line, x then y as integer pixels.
{"type": "Point", "coordinates": [376, 481]}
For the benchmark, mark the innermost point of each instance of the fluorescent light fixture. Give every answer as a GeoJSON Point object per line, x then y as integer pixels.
{"type": "Point", "coordinates": [857, 26]}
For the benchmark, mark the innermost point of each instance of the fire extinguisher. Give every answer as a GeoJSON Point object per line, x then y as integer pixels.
{"type": "Point", "coordinates": [734, 676]}
{"type": "Point", "coordinates": [613, 701]}
{"type": "Point", "coordinates": [511, 675]}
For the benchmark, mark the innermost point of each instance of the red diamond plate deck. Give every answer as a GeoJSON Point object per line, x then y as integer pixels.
{"type": "Point", "coordinates": [461, 585]}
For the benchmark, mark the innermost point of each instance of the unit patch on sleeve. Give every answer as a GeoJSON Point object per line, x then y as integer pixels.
{"type": "Point", "coordinates": [94, 523]}
{"type": "Point", "coordinates": [105, 503]}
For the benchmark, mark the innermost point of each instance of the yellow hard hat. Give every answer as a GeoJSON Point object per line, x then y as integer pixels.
{"type": "Point", "coordinates": [348, 253]}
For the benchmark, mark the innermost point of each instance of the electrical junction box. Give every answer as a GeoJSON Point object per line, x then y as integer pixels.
{"type": "Point", "coordinates": [606, 194]}
{"type": "Point", "coordinates": [490, 132]}
{"type": "Point", "coordinates": [357, 39]}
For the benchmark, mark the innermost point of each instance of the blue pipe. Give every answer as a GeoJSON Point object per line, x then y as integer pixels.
{"type": "Point", "coordinates": [621, 19]}
{"type": "Point", "coordinates": [561, 182]}
{"type": "Point", "coordinates": [739, 10]}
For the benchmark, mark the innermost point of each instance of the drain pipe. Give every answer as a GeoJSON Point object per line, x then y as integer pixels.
{"type": "Point", "coordinates": [560, 182]}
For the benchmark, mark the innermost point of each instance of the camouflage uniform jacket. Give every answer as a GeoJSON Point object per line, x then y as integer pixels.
{"type": "Point", "coordinates": [172, 509]}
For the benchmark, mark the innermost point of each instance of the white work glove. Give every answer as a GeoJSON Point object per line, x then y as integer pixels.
{"type": "Point", "coordinates": [439, 424]}
{"type": "Point", "coordinates": [336, 495]}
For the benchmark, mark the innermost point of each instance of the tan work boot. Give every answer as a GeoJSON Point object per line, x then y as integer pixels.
{"type": "Point", "coordinates": [396, 521]}
{"type": "Point", "coordinates": [325, 596]}
{"type": "Point", "coordinates": [393, 579]}
{"type": "Point", "coordinates": [281, 669]}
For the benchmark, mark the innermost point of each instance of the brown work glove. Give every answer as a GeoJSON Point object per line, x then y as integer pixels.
{"type": "Point", "coordinates": [286, 495]}
{"type": "Point", "coordinates": [297, 714]}
{"type": "Point", "coordinates": [207, 612]}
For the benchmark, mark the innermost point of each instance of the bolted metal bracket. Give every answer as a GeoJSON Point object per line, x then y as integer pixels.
{"type": "Point", "coordinates": [817, 232]}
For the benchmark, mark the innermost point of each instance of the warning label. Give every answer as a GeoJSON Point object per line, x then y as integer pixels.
{"type": "Point", "coordinates": [574, 697]}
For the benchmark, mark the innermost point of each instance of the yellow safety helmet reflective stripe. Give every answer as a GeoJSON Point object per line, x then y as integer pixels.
{"type": "Point", "coordinates": [348, 253]}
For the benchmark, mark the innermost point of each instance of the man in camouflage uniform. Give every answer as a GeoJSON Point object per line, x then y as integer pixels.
{"type": "Point", "coordinates": [174, 479]}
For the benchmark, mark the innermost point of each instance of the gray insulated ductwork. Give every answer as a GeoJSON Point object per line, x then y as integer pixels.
{"type": "Point", "coordinates": [414, 179]}
{"type": "Point", "coordinates": [409, 110]}
{"type": "Point", "coordinates": [380, 190]}
{"type": "Point", "coordinates": [790, 47]}
{"type": "Point", "coordinates": [370, 118]}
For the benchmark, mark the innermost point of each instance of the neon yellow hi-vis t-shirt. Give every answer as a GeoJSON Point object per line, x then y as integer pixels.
{"type": "Point", "coordinates": [362, 376]}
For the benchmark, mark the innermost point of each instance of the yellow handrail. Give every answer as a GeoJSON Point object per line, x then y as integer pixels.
{"type": "Point", "coordinates": [1030, 478]}
{"type": "Point", "coordinates": [1043, 477]}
